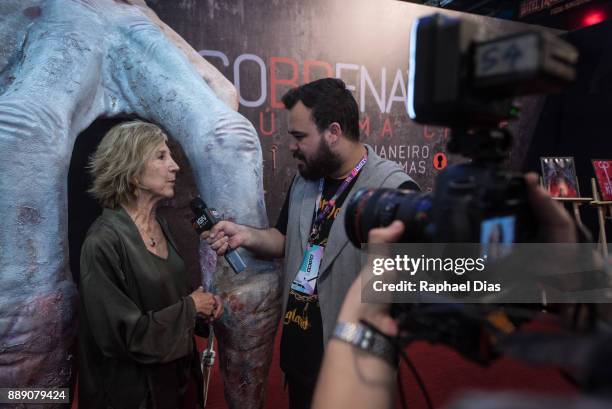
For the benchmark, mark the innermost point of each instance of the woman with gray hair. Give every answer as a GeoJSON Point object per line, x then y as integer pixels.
{"type": "Point", "coordinates": [138, 312]}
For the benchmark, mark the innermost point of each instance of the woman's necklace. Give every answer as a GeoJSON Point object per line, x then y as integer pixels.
{"type": "Point", "coordinates": [144, 232]}
{"type": "Point", "coordinates": [150, 236]}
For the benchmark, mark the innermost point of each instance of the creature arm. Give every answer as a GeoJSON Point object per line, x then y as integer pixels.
{"type": "Point", "coordinates": [220, 85]}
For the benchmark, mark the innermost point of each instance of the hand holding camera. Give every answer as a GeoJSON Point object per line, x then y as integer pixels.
{"type": "Point", "coordinates": [353, 310]}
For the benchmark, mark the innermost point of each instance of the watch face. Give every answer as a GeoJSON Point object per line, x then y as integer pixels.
{"type": "Point", "coordinates": [349, 332]}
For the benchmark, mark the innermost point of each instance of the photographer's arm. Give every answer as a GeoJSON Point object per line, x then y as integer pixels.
{"type": "Point", "coordinates": [267, 243]}
{"type": "Point", "coordinates": [350, 377]}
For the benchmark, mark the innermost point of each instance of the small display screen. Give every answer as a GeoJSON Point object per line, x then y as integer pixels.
{"type": "Point", "coordinates": [496, 236]}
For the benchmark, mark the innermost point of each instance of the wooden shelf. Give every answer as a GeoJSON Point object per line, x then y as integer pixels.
{"type": "Point", "coordinates": [574, 199]}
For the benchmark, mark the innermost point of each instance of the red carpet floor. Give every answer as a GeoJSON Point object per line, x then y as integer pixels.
{"type": "Point", "coordinates": [276, 396]}
{"type": "Point", "coordinates": [444, 373]}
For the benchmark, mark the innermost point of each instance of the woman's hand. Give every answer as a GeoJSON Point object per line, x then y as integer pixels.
{"type": "Point", "coordinates": [205, 303]}
{"type": "Point", "coordinates": [208, 305]}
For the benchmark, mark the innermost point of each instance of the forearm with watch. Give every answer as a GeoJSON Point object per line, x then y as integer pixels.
{"type": "Point", "coordinates": [359, 368]}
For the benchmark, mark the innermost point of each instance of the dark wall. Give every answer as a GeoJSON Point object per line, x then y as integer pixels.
{"type": "Point", "coordinates": [578, 122]}
{"type": "Point", "coordinates": [82, 207]}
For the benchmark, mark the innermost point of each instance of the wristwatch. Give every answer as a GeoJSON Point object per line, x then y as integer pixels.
{"type": "Point", "coordinates": [366, 339]}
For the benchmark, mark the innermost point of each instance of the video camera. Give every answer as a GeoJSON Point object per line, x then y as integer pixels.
{"type": "Point", "coordinates": [467, 86]}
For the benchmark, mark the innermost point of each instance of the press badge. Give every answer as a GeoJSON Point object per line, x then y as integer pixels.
{"type": "Point", "coordinates": [306, 279]}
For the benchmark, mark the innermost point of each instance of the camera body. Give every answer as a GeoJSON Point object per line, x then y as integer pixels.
{"type": "Point", "coordinates": [468, 86]}
{"type": "Point", "coordinates": [468, 202]}
{"type": "Point", "coordinates": [471, 199]}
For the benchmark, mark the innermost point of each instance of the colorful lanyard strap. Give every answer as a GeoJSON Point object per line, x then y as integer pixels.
{"type": "Point", "coordinates": [320, 216]}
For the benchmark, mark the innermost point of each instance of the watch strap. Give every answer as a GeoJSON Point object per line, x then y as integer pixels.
{"type": "Point", "coordinates": [366, 339]}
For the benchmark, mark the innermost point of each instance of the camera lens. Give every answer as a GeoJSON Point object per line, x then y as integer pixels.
{"type": "Point", "coordinates": [372, 208]}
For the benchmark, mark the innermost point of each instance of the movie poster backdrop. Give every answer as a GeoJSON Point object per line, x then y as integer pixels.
{"type": "Point", "coordinates": [265, 47]}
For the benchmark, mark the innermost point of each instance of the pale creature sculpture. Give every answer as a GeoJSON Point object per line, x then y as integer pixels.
{"type": "Point", "coordinates": [63, 64]}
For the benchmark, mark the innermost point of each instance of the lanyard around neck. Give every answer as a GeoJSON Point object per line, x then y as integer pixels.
{"type": "Point", "coordinates": [320, 216]}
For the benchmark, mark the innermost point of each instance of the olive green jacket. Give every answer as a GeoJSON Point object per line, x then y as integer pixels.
{"type": "Point", "coordinates": [136, 322]}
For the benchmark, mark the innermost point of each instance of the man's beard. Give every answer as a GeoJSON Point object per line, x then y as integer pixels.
{"type": "Point", "coordinates": [323, 163]}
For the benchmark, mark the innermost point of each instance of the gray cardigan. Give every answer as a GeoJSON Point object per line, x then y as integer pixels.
{"type": "Point", "coordinates": [341, 261]}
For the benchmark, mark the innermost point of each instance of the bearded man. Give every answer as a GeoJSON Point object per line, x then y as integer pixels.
{"type": "Point", "coordinates": [320, 264]}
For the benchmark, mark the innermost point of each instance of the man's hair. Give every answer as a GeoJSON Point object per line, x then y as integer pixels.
{"type": "Point", "coordinates": [329, 101]}
{"type": "Point", "coordinates": [120, 158]}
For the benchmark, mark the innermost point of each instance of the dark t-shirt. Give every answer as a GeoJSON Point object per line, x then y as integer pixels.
{"type": "Point", "coordinates": [283, 217]}
{"type": "Point", "coordinates": [302, 338]}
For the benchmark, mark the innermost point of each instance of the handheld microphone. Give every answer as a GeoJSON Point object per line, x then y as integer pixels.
{"type": "Point", "coordinates": [205, 220]}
